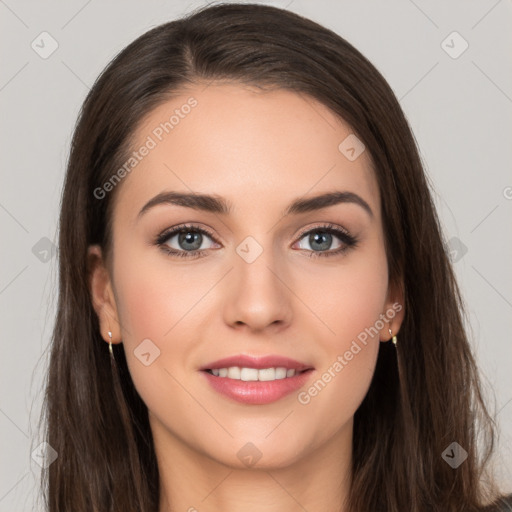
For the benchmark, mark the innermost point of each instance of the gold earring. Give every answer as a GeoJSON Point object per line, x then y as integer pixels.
{"type": "Point", "coordinates": [110, 343]}
{"type": "Point", "coordinates": [393, 339]}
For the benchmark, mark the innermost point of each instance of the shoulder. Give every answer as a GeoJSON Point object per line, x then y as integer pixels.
{"type": "Point", "coordinates": [504, 504]}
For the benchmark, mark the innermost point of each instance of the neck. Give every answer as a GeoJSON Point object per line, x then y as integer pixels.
{"type": "Point", "coordinates": [194, 482]}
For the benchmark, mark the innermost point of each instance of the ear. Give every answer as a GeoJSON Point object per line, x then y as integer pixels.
{"type": "Point", "coordinates": [102, 295]}
{"type": "Point", "coordinates": [394, 311]}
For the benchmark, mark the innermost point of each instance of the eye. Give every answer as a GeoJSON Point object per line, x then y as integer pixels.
{"type": "Point", "coordinates": [188, 241]}
{"type": "Point", "coordinates": [321, 238]}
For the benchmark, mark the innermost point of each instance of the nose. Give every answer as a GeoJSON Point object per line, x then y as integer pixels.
{"type": "Point", "coordinates": [258, 298]}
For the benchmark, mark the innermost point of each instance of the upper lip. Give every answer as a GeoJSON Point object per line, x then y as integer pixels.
{"type": "Point", "coordinates": [247, 361]}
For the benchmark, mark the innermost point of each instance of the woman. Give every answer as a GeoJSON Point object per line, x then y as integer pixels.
{"type": "Point", "coordinates": [307, 350]}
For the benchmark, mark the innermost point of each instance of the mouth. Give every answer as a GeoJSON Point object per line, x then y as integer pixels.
{"type": "Point", "coordinates": [256, 380]}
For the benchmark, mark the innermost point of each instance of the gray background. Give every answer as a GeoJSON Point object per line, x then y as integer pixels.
{"type": "Point", "coordinates": [460, 110]}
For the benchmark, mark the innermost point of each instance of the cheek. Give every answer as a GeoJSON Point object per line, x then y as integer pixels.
{"type": "Point", "coordinates": [351, 304]}
{"type": "Point", "coordinates": [160, 308]}
{"type": "Point", "coordinates": [153, 295]}
{"type": "Point", "coordinates": [347, 298]}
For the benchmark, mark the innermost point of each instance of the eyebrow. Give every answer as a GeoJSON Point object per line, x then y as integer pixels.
{"type": "Point", "coordinates": [217, 204]}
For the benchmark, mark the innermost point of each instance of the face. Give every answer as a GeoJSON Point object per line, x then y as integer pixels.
{"type": "Point", "coordinates": [247, 277]}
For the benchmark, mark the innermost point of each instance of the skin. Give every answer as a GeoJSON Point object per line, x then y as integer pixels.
{"type": "Point", "coordinates": [259, 150]}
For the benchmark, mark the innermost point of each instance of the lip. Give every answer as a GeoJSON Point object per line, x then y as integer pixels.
{"type": "Point", "coordinates": [247, 361]}
{"type": "Point", "coordinates": [257, 392]}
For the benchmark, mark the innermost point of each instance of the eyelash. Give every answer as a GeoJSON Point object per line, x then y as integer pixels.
{"type": "Point", "coordinates": [349, 241]}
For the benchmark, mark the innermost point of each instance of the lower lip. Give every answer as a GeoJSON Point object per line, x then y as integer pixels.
{"type": "Point", "coordinates": [257, 392]}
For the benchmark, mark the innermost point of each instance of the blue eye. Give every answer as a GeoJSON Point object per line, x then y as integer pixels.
{"type": "Point", "coordinates": [321, 237]}
{"type": "Point", "coordinates": [190, 239]}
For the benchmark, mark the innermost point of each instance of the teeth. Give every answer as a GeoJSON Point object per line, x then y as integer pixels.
{"type": "Point", "coordinates": [234, 372]}
{"type": "Point", "coordinates": [280, 373]}
{"type": "Point", "coordinates": [267, 374]}
{"type": "Point", "coordinates": [247, 374]}
{"type": "Point", "coordinates": [253, 374]}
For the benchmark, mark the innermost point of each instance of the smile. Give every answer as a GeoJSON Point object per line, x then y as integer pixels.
{"type": "Point", "coordinates": [254, 380]}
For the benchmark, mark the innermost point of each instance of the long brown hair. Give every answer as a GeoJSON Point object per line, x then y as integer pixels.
{"type": "Point", "coordinates": [423, 397]}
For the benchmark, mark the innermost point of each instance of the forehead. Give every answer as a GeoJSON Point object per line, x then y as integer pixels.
{"type": "Point", "coordinates": [256, 148]}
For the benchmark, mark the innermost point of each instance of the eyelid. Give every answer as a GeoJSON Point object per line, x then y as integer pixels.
{"type": "Point", "coordinates": [325, 225]}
